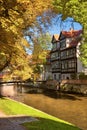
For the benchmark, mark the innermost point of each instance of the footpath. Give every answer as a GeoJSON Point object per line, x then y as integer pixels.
{"type": "Point", "coordinates": [13, 122]}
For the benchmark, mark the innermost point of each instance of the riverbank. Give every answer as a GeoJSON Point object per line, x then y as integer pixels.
{"type": "Point", "coordinates": [44, 122]}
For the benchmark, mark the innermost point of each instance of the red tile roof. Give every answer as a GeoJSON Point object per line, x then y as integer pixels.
{"type": "Point", "coordinates": [74, 43]}
{"type": "Point", "coordinates": [72, 33]}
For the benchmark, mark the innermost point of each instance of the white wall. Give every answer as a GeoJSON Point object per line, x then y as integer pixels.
{"type": "Point", "coordinates": [64, 76]}
{"type": "Point", "coordinates": [80, 68]}
{"type": "Point", "coordinates": [8, 90]}
{"type": "Point", "coordinates": [57, 76]}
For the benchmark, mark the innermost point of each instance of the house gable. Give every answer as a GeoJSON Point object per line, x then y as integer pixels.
{"type": "Point", "coordinates": [55, 38]}
{"type": "Point", "coordinates": [62, 36]}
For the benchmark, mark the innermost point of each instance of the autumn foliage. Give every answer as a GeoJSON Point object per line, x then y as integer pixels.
{"type": "Point", "coordinates": [15, 17]}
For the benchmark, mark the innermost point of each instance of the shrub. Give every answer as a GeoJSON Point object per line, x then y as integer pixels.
{"type": "Point", "coordinates": [82, 76]}
{"type": "Point", "coordinates": [74, 76]}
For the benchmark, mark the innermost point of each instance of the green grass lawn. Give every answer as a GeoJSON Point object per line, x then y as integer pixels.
{"type": "Point", "coordinates": [46, 122]}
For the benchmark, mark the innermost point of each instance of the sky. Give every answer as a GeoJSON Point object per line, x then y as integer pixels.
{"type": "Point", "coordinates": [58, 25]}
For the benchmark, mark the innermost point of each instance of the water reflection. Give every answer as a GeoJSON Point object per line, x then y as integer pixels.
{"type": "Point", "coordinates": [59, 95]}
{"type": "Point", "coordinates": [46, 100]}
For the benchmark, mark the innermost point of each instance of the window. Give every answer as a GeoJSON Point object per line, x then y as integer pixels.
{"type": "Point", "coordinates": [57, 64]}
{"type": "Point", "coordinates": [54, 46]}
{"type": "Point", "coordinates": [55, 55]}
{"type": "Point", "coordinates": [63, 54]}
{"type": "Point", "coordinates": [72, 63]}
{"type": "Point", "coordinates": [68, 53]}
{"type": "Point", "coordinates": [63, 76]}
{"type": "Point", "coordinates": [68, 64]}
{"type": "Point", "coordinates": [58, 45]}
{"type": "Point", "coordinates": [55, 76]}
{"type": "Point", "coordinates": [68, 41]}
{"type": "Point", "coordinates": [63, 43]}
{"type": "Point", "coordinates": [72, 52]}
{"type": "Point", "coordinates": [59, 76]}
{"type": "Point", "coordinates": [64, 64]}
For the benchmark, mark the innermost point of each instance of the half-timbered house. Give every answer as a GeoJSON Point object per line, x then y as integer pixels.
{"type": "Point", "coordinates": [65, 54]}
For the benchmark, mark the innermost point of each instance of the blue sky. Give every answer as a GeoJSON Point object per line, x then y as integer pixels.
{"type": "Point", "coordinates": [59, 25]}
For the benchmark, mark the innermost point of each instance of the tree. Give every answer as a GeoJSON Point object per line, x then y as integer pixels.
{"type": "Point", "coordinates": [42, 44]}
{"type": "Point", "coordinates": [78, 10]}
{"type": "Point", "coordinates": [83, 50]}
{"type": "Point", "coordinates": [15, 17]}
{"type": "Point", "coordinates": [41, 47]}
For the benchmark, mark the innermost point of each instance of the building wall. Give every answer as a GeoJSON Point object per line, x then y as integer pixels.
{"type": "Point", "coordinates": [80, 68]}
{"type": "Point", "coordinates": [65, 76]}
{"type": "Point", "coordinates": [56, 76]}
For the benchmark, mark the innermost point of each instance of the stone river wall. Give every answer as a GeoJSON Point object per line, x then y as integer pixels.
{"type": "Point", "coordinates": [76, 86]}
